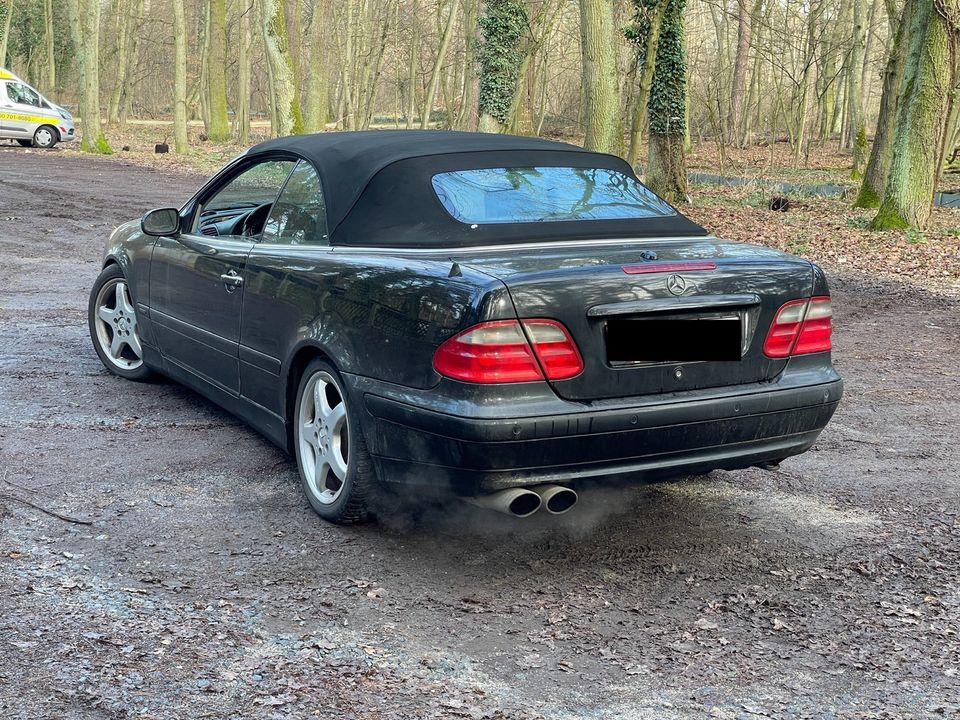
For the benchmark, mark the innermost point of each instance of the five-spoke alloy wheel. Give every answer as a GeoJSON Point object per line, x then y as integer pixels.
{"type": "Point", "coordinates": [113, 326]}
{"type": "Point", "coordinates": [334, 465]}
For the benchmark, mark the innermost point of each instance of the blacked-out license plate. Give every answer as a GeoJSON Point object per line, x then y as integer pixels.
{"type": "Point", "coordinates": [673, 340]}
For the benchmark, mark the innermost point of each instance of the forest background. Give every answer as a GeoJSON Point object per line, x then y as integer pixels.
{"type": "Point", "coordinates": [845, 107]}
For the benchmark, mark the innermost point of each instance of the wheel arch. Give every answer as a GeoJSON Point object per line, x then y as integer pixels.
{"type": "Point", "coordinates": [304, 354]}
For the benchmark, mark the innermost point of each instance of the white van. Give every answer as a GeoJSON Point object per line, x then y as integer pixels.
{"type": "Point", "coordinates": [28, 117]}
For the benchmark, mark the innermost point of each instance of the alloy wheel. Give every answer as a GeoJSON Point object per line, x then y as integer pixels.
{"type": "Point", "coordinates": [116, 325]}
{"type": "Point", "coordinates": [323, 437]}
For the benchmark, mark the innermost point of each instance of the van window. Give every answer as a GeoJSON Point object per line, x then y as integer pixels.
{"type": "Point", "coordinates": [20, 93]}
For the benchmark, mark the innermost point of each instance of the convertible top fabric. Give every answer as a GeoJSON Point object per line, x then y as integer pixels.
{"type": "Point", "coordinates": [378, 191]}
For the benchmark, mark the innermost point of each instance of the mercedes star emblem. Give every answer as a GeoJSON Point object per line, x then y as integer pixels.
{"type": "Point", "coordinates": [676, 285]}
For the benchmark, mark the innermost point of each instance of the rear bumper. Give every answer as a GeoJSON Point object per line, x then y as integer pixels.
{"type": "Point", "coordinates": [471, 454]}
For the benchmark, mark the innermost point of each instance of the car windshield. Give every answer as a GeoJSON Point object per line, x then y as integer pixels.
{"type": "Point", "coordinates": [545, 194]}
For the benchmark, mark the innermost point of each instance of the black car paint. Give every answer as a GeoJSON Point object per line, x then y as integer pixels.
{"type": "Point", "coordinates": [380, 314]}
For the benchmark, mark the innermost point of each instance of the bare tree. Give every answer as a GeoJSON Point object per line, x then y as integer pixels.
{"type": "Point", "coordinates": [601, 90]}
{"type": "Point", "coordinates": [180, 139]}
{"type": "Point", "coordinates": [85, 24]}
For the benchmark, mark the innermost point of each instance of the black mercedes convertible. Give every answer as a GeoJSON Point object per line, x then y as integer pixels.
{"type": "Point", "coordinates": [506, 318]}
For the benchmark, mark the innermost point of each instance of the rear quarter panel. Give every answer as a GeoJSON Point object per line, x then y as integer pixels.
{"type": "Point", "coordinates": [374, 315]}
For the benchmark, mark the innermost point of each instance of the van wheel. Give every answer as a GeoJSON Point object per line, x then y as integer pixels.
{"type": "Point", "coordinates": [45, 137]}
{"type": "Point", "coordinates": [26, 143]}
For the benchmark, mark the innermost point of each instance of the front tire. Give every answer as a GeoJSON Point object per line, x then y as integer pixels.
{"type": "Point", "coordinates": [336, 472]}
{"type": "Point", "coordinates": [112, 318]}
{"type": "Point", "coordinates": [45, 137]}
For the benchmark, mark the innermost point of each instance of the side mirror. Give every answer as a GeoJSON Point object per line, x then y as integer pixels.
{"type": "Point", "coordinates": [165, 221]}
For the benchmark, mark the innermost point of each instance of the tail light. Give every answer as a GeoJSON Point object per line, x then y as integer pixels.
{"type": "Point", "coordinates": [508, 351]}
{"type": "Point", "coordinates": [800, 327]}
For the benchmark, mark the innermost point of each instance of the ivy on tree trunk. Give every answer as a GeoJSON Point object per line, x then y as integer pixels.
{"type": "Point", "coordinates": [502, 28]}
{"type": "Point", "coordinates": [667, 109]}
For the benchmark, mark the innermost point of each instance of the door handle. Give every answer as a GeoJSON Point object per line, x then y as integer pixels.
{"type": "Point", "coordinates": [231, 280]}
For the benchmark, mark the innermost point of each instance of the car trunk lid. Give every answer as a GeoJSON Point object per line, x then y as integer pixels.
{"type": "Point", "coordinates": [608, 295]}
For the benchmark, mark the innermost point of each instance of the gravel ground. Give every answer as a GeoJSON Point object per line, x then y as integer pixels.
{"type": "Point", "coordinates": [187, 578]}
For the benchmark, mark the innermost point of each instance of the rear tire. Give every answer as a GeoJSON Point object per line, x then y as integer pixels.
{"type": "Point", "coordinates": [336, 471]}
{"type": "Point", "coordinates": [45, 137]}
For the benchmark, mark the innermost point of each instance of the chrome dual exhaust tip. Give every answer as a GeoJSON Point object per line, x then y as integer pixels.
{"type": "Point", "coordinates": [524, 502]}
{"type": "Point", "coordinates": [556, 499]}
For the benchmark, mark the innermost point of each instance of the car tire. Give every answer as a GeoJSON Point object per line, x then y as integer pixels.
{"type": "Point", "coordinates": [45, 137]}
{"type": "Point", "coordinates": [25, 143]}
{"type": "Point", "coordinates": [112, 319]}
{"type": "Point", "coordinates": [336, 471]}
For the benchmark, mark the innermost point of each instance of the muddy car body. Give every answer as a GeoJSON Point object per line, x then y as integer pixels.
{"type": "Point", "coordinates": [495, 315]}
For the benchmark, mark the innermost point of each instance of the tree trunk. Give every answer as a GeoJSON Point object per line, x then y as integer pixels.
{"type": "Point", "coordinates": [865, 74]}
{"type": "Point", "coordinates": [651, 41]}
{"type": "Point", "coordinates": [216, 73]}
{"type": "Point", "coordinates": [738, 91]}
{"type": "Point", "coordinates": [929, 77]}
{"type": "Point", "coordinates": [275, 45]}
{"type": "Point", "coordinates": [85, 25]}
{"type": "Point", "coordinates": [438, 65]}
{"type": "Point", "coordinates": [5, 37]}
{"type": "Point", "coordinates": [293, 35]}
{"type": "Point", "coordinates": [318, 90]}
{"type": "Point", "coordinates": [49, 40]}
{"type": "Point", "coordinates": [204, 81]}
{"type": "Point", "coordinates": [878, 167]}
{"type": "Point", "coordinates": [601, 91]}
{"type": "Point", "coordinates": [503, 27]}
{"type": "Point", "coordinates": [122, 10]}
{"type": "Point", "coordinates": [807, 83]}
{"type": "Point", "coordinates": [855, 95]}
{"type": "Point", "coordinates": [243, 81]}
{"type": "Point", "coordinates": [412, 67]}
{"type": "Point", "coordinates": [181, 141]}
{"type": "Point", "coordinates": [469, 113]}
{"type": "Point", "coordinates": [666, 165]}
{"type": "Point", "coordinates": [349, 115]}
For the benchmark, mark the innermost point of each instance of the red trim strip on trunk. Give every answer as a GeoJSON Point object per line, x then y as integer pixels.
{"type": "Point", "coordinates": [661, 267]}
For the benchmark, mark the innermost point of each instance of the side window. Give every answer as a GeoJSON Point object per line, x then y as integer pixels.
{"type": "Point", "coordinates": [240, 207]}
{"type": "Point", "coordinates": [299, 217]}
{"type": "Point", "coordinates": [20, 93]}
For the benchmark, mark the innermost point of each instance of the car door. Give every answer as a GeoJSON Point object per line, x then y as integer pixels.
{"type": "Point", "coordinates": [21, 111]}
{"type": "Point", "coordinates": [284, 285]}
{"type": "Point", "coordinates": [196, 279]}
{"type": "Point", "coordinates": [6, 106]}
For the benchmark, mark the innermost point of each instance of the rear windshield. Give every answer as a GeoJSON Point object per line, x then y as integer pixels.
{"type": "Point", "coordinates": [545, 194]}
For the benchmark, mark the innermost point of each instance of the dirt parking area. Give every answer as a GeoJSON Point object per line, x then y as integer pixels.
{"type": "Point", "coordinates": [187, 577]}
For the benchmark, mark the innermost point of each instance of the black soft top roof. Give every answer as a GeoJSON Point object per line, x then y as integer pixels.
{"type": "Point", "coordinates": [378, 191]}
